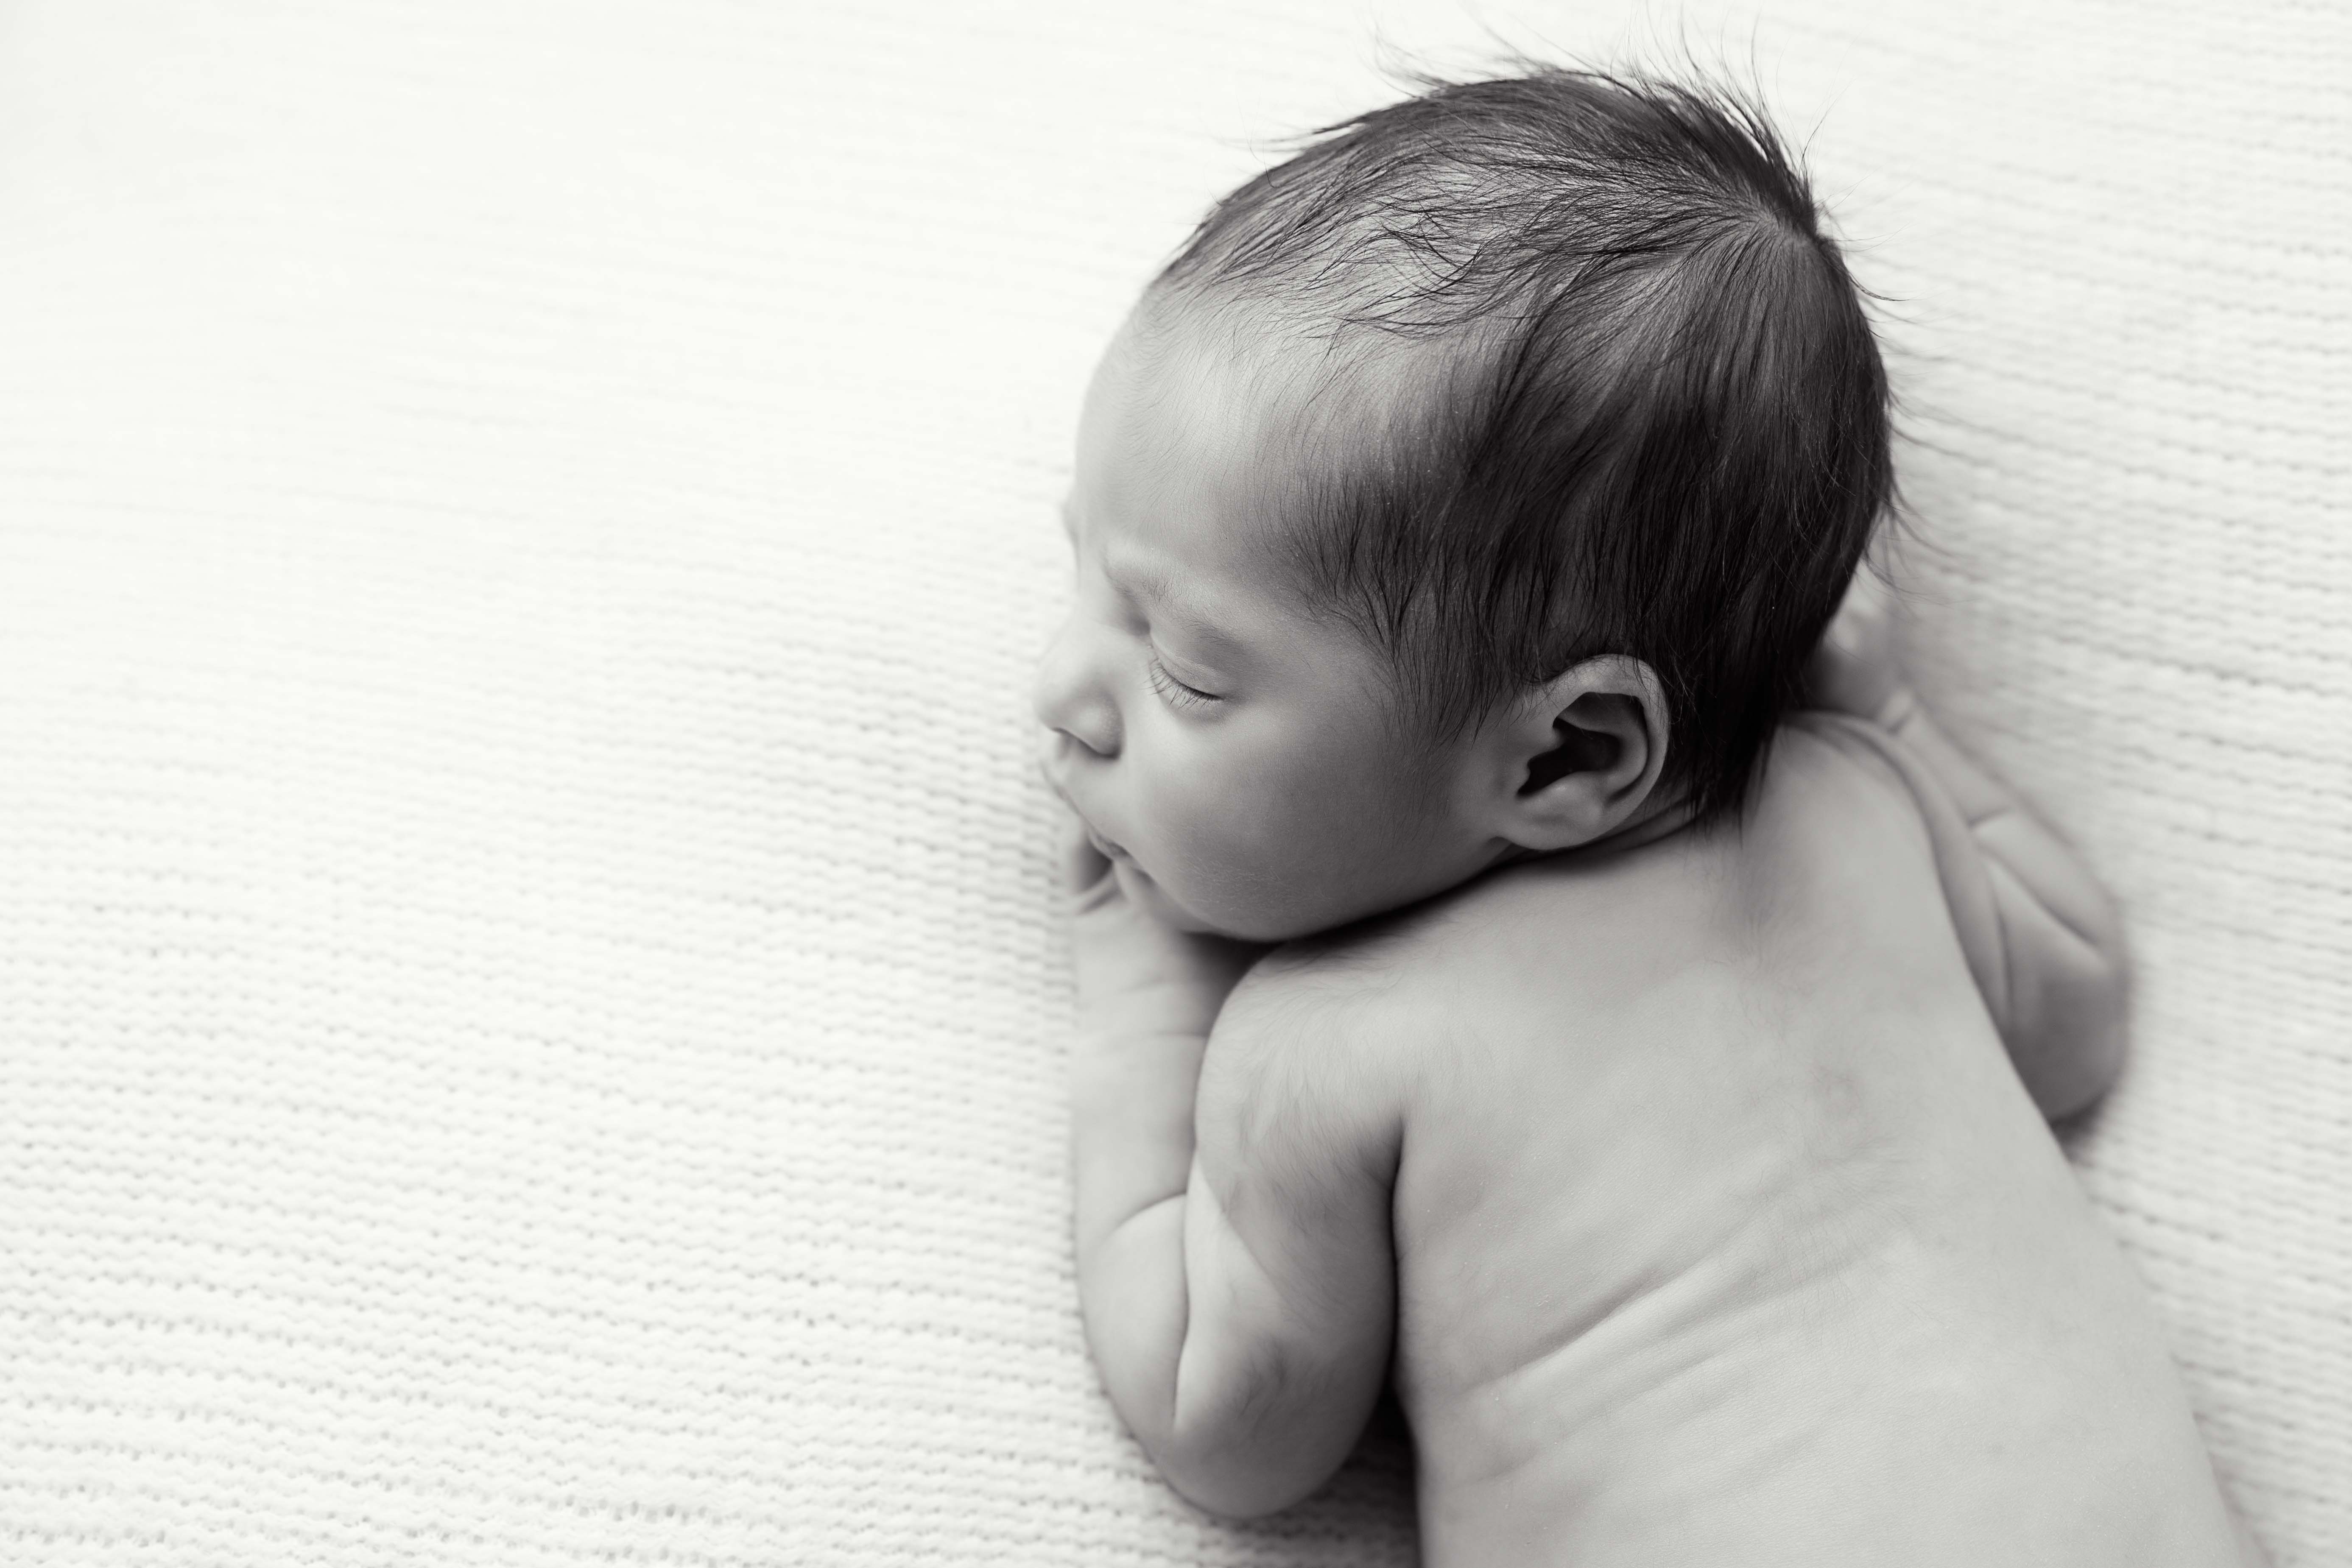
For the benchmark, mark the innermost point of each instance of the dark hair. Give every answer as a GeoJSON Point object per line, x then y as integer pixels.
{"type": "Point", "coordinates": [1659, 427]}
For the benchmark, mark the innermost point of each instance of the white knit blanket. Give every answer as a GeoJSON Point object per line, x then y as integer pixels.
{"type": "Point", "coordinates": [531, 1031]}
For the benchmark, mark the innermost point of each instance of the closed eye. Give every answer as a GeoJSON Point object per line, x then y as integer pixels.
{"type": "Point", "coordinates": [1175, 693]}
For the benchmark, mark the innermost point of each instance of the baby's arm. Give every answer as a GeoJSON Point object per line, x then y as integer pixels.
{"type": "Point", "coordinates": [1238, 1284]}
{"type": "Point", "coordinates": [2041, 935]}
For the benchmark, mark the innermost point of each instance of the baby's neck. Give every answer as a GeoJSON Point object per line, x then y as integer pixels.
{"type": "Point", "coordinates": [1651, 824]}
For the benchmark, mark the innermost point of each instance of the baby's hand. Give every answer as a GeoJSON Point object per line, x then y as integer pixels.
{"type": "Point", "coordinates": [1136, 974]}
{"type": "Point", "coordinates": [1856, 669]}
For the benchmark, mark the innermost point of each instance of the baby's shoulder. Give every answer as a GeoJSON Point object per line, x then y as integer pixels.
{"type": "Point", "coordinates": [1344, 1002]}
{"type": "Point", "coordinates": [1314, 1037]}
{"type": "Point", "coordinates": [1319, 987]}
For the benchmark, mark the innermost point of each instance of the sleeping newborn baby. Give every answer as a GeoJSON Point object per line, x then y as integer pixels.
{"type": "Point", "coordinates": [1487, 974]}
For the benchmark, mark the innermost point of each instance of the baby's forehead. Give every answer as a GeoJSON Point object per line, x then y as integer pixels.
{"type": "Point", "coordinates": [1201, 453]}
{"type": "Point", "coordinates": [1254, 403]}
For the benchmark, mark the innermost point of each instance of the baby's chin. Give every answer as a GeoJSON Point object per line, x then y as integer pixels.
{"type": "Point", "coordinates": [1145, 893]}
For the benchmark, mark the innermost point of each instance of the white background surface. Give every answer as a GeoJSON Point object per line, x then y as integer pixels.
{"type": "Point", "coordinates": [529, 1031]}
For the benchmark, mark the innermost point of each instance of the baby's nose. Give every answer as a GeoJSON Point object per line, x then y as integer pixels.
{"type": "Point", "coordinates": [1070, 700]}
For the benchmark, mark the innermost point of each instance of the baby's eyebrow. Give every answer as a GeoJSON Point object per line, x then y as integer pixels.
{"type": "Point", "coordinates": [1167, 598]}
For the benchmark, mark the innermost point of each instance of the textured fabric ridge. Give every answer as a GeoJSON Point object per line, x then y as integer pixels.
{"type": "Point", "coordinates": [530, 1030]}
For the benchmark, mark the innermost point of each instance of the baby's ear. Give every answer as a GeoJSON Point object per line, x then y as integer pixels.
{"type": "Point", "coordinates": [1576, 759]}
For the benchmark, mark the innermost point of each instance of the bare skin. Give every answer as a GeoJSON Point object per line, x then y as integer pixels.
{"type": "Point", "coordinates": [1721, 1228]}
{"type": "Point", "coordinates": [1691, 1182]}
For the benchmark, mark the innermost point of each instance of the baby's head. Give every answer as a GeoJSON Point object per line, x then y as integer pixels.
{"type": "Point", "coordinates": [1472, 484]}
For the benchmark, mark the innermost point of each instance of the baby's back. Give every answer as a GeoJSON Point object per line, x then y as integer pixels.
{"type": "Point", "coordinates": [1726, 1233]}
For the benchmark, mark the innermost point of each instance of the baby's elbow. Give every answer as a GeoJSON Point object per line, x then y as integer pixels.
{"type": "Point", "coordinates": [2095, 1066]}
{"type": "Point", "coordinates": [2081, 1035]}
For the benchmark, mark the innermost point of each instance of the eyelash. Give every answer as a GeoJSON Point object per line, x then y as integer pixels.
{"type": "Point", "coordinates": [1175, 693]}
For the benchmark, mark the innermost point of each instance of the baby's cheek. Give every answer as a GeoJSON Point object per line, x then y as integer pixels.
{"type": "Point", "coordinates": [1209, 869]}
{"type": "Point", "coordinates": [1253, 832]}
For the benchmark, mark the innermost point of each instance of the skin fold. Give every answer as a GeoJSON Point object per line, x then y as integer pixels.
{"type": "Point", "coordinates": [1692, 1183]}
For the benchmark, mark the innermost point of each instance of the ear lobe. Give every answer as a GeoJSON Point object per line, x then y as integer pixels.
{"type": "Point", "coordinates": [1587, 755]}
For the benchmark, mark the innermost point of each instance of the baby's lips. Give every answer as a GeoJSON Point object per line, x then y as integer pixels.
{"type": "Point", "coordinates": [1087, 855]}
{"type": "Point", "coordinates": [1083, 866]}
